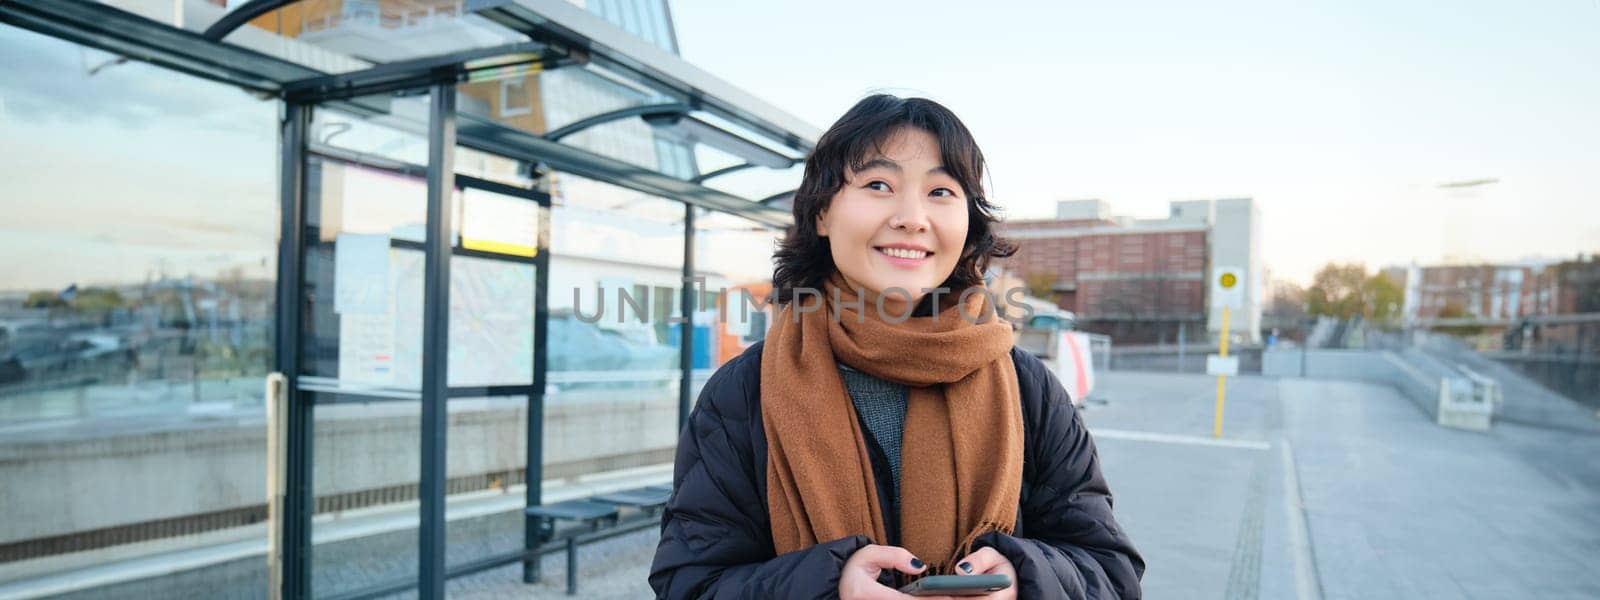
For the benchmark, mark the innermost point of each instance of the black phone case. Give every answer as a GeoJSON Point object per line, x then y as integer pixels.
{"type": "Point", "coordinates": [957, 585]}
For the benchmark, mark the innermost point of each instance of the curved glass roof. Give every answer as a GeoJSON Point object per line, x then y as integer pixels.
{"type": "Point", "coordinates": [538, 80]}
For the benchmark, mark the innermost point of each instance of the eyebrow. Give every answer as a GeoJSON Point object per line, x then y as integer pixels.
{"type": "Point", "coordinates": [894, 166]}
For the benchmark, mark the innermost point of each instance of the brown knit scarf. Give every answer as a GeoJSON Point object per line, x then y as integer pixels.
{"type": "Point", "coordinates": [961, 471]}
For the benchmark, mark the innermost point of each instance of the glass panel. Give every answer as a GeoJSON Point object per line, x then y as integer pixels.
{"type": "Point", "coordinates": [755, 183]}
{"type": "Point", "coordinates": [398, 132]}
{"type": "Point", "coordinates": [488, 441]}
{"type": "Point", "coordinates": [655, 25]}
{"type": "Point", "coordinates": [542, 101]}
{"type": "Point", "coordinates": [365, 229]}
{"type": "Point", "coordinates": [493, 168]}
{"type": "Point", "coordinates": [136, 296]}
{"type": "Point", "coordinates": [319, 33]}
{"type": "Point", "coordinates": [492, 297]}
{"type": "Point", "coordinates": [663, 25]}
{"type": "Point", "coordinates": [491, 322]}
{"type": "Point", "coordinates": [613, 381]}
{"type": "Point", "coordinates": [628, 20]}
{"type": "Point", "coordinates": [491, 332]}
{"type": "Point", "coordinates": [734, 255]}
{"type": "Point", "coordinates": [363, 270]}
{"type": "Point", "coordinates": [364, 280]}
{"type": "Point", "coordinates": [511, 99]}
{"type": "Point", "coordinates": [500, 224]}
{"type": "Point", "coordinates": [366, 466]}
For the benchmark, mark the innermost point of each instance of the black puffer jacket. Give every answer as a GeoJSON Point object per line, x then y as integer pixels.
{"type": "Point", "coordinates": [716, 541]}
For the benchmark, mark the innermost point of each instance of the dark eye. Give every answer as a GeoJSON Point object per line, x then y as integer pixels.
{"type": "Point", "coordinates": [877, 186]}
{"type": "Point", "coordinates": [944, 193]}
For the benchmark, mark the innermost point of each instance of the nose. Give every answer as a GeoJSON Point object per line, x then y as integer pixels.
{"type": "Point", "coordinates": [910, 216]}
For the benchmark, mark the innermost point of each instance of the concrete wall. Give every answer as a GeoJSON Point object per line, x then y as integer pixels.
{"type": "Point", "coordinates": [1415, 378]}
{"type": "Point", "coordinates": [1165, 359]}
{"type": "Point", "coordinates": [1358, 365]}
{"type": "Point", "coordinates": [1524, 400]}
{"type": "Point", "coordinates": [1416, 373]}
{"type": "Point", "coordinates": [61, 486]}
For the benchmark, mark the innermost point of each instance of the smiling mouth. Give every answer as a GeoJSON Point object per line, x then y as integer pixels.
{"type": "Point", "coordinates": [904, 253]}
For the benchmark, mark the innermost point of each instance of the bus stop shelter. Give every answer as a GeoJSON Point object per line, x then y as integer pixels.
{"type": "Point", "coordinates": [420, 89]}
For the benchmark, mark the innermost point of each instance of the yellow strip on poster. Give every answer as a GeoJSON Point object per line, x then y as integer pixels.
{"type": "Point", "coordinates": [500, 247]}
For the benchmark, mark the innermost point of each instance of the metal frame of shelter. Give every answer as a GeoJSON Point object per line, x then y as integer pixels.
{"type": "Point", "coordinates": [557, 35]}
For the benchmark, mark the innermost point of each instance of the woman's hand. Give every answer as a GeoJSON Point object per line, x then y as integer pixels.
{"type": "Point", "coordinates": [859, 578]}
{"type": "Point", "coordinates": [987, 561]}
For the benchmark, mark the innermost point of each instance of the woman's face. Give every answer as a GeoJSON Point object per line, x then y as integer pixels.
{"type": "Point", "coordinates": [901, 221]}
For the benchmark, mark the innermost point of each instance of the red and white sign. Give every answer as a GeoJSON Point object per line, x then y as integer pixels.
{"type": "Point", "coordinates": [1076, 365]}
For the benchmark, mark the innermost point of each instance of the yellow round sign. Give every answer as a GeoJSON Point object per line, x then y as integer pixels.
{"type": "Point", "coordinates": [1229, 280]}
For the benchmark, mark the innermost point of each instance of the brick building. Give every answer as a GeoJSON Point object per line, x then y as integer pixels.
{"type": "Point", "coordinates": [1574, 286]}
{"type": "Point", "coordinates": [1138, 280]}
{"type": "Point", "coordinates": [1499, 292]}
{"type": "Point", "coordinates": [1481, 291]}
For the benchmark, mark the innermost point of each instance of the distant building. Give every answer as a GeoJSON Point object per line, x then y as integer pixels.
{"type": "Point", "coordinates": [1543, 308]}
{"type": "Point", "coordinates": [1573, 287]}
{"type": "Point", "coordinates": [1490, 291]}
{"type": "Point", "coordinates": [1144, 280]}
{"type": "Point", "coordinates": [1494, 292]}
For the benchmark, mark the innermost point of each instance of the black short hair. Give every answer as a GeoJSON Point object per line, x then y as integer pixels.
{"type": "Point", "coordinates": [805, 260]}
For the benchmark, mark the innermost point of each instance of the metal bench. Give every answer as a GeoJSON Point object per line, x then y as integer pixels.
{"type": "Point", "coordinates": [649, 499]}
{"type": "Point", "coordinates": [593, 513]}
{"type": "Point", "coordinates": [585, 512]}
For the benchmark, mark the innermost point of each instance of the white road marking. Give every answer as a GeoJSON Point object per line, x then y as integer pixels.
{"type": "Point", "coordinates": [1166, 438]}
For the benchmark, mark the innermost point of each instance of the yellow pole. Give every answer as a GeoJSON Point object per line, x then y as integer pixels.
{"type": "Point", "coordinates": [1216, 429]}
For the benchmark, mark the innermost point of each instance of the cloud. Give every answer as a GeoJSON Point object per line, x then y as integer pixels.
{"type": "Point", "coordinates": [49, 80]}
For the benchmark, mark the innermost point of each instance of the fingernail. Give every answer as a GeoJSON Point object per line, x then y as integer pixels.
{"type": "Point", "coordinates": [966, 567]}
{"type": "Point", "coordinates": [916, 563]}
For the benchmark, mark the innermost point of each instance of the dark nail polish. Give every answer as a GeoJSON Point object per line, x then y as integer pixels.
{"type": "Point", "coordinates": [965, 567]}
{"type": "Point", "coordinates": [916, 563]}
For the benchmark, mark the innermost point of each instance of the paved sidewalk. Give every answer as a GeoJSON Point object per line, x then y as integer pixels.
{"type": "Point", "coordinates": [1399, 507]}
{"type": "Point", "coordinates": [613, 569]}
{"type": "Point", "coordinates": [1338, 489]}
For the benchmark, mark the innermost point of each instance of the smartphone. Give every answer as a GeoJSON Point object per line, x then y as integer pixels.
{"type": "Point", "coordinates": [957, 585]}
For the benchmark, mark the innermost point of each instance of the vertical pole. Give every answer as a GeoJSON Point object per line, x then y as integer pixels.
{"type": "Point", "coordinates": [1216, 428]}
{"type": "Point", "coordinates": [534, 470]}
{"type": "Point", "coordinates": [436, 339]}
{"type": "Point", "coordinates": [1183, 340]}
{"type": "Point", "coordinates": [297, 505]}
{"type": "Point", "coordinates": [572, 565]}
{"type": "Point", "coordinates": [1305, 346]}
{"type": "Point", "coordinates": [277, 419]}
{"type": "Point", "coordinates": [686, 340]}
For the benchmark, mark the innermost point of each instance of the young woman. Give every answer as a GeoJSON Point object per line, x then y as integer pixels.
{"type": "Point", "coordinates": [886, 429]}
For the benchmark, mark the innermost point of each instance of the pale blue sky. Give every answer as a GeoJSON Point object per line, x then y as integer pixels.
{"type": "Point", "coordinates": [1338, 117]}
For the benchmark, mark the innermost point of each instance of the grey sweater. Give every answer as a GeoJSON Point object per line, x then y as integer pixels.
{"type": "Point", "coordinates": [881, 405]}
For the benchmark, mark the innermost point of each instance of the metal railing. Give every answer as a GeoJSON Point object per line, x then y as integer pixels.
{"type": "Point", "coordinates": [1100, 351]}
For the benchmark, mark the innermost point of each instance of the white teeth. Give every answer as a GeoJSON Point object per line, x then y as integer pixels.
{"type": "Point", "coordinates": [904, 253]}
